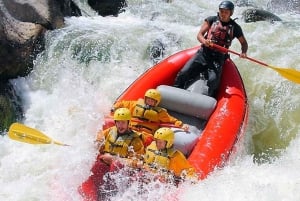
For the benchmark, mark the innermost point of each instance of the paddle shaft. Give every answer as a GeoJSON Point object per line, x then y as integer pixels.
{"type": "Point", "coordinates": [225, 50]}
{"type": "Point", "coordinates": [288, 73]}
{"type": "Point", "coordinates": [156, 123]}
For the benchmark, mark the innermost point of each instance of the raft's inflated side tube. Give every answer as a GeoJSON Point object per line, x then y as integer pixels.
{"type": "Point", "coordinates": [186, 102]}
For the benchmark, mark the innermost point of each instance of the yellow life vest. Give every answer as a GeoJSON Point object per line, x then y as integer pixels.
{"type": "Point", "coordinates": [147, 114]}
{"type": "Point", "coordinates": [158, 159]}
{"type": "Point", "coordinates": [116, 144]}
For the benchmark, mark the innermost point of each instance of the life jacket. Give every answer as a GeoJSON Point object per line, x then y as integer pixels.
{"type": "Point", "coordinates": [117, 144]}
{"type": "Point", "coordinates": [219, 34]}
{"type": "Point", "coordinates": [158, 159]}
{"type": "Point", "coordinates": [146, 117]}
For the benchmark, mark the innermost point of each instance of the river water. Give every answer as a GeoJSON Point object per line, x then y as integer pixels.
{"type": "Point", "coordinates": [88, 63]}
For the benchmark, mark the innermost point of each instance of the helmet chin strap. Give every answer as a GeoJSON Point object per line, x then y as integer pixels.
{"type": "Point", "coordinates": [147, 106]}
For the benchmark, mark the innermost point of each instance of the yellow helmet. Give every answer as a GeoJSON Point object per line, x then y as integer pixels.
{"type": "Point", "coordinates": [122, 114]}
{"type": "Point", "coordinates": [154, 94]}
{"type": "Point", "coordinates": [165, 134]}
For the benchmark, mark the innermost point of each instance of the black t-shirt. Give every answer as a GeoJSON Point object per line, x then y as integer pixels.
{"type": "Point", "coordinates": [237, 30]}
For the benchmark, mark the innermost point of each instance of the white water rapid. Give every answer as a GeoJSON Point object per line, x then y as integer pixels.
{"type": "Point", "coordinates": [89, 62]}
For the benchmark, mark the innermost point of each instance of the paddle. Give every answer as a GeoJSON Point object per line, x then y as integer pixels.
{"type": "Point", "coordinates": [157, 123]}
{"type": "Point", "coordinates": [22, 133]}
{"type": "Point", "coordinates": [288, 73]}
{"type": "Point", "coordinates": [109, 120]}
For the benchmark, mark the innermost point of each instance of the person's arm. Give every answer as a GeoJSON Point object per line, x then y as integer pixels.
{"type": "Point", "coordinates": [127, 104]}
{"type": "Point", "coordinates": [100, 139]}
{"type": "Point", "coordinates": [107, 158]}
{"type": "Point", "coordinates": [244, 46]}
{"type": "Point", "coordinates": [136, 155]}
{"type": "Point", "coordinates": [100, 136]}
{"type": "Point", "coordinates": [165, 117]}
{"type": "Point", "coordinates": [178, 164]}
{"type": "Point", "coordinates": [203, 30]}
{"type": "Point", "coordinates": [119, 104]}
{"type": "Point", "coordinates": [138, 146]}
{"type": "Point", "coordinates": [238, 33]}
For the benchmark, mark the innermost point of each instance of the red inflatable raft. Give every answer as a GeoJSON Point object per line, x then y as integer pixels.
{"type": "Point", "coordinates": [223, 127]}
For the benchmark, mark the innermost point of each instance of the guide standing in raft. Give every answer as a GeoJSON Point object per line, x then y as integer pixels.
{"type": "Point", "coordinates": [208, 62]}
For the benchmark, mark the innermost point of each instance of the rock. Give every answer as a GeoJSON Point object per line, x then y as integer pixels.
{"type": "Point", "coordinates": [254, 15]}
{"type": "Point", "coordinates": [156, 51]}
{"type": "Point", "coordinates": [10, 106]}
{"type": "Point", "coordinates": [108, 7]}
{"type": "Point", "coordinates": [67, 7]}
{"type": "Point", "coordinates": [22, 28]}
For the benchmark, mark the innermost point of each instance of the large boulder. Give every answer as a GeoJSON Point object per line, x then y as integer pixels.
{"type": "Point", "coordinates": [253, 15]}
{"type": "Point", "coordinates": [10, 106]}
{"type": "Point", "coordinates": [108, 7]}
{"type": "Point", "coordinates": [22, 28]}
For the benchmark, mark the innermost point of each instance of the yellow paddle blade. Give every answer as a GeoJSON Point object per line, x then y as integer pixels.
{"type": "Point", "coordinates": [22, 133]}
{"type": "Point", "coordinates": [288, 73]}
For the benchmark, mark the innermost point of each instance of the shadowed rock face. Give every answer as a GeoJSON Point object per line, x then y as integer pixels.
{"type": "Point", "coordinates": [66, 7]}
{"type": "Point", "coordinates": [156, 51]}
{"type": "Point", "coordinates": [10, 106]}
{"type": "Point", "coordinates": [17, 44]}
{"type": "Point", "coordinates": [22, 27]}
{"type": "Point", "coordinates": [108, 7]}
{"type": "Point", "coordinates": [17, 58]}
{"type": "Point", "coordinates": [253, 15]}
